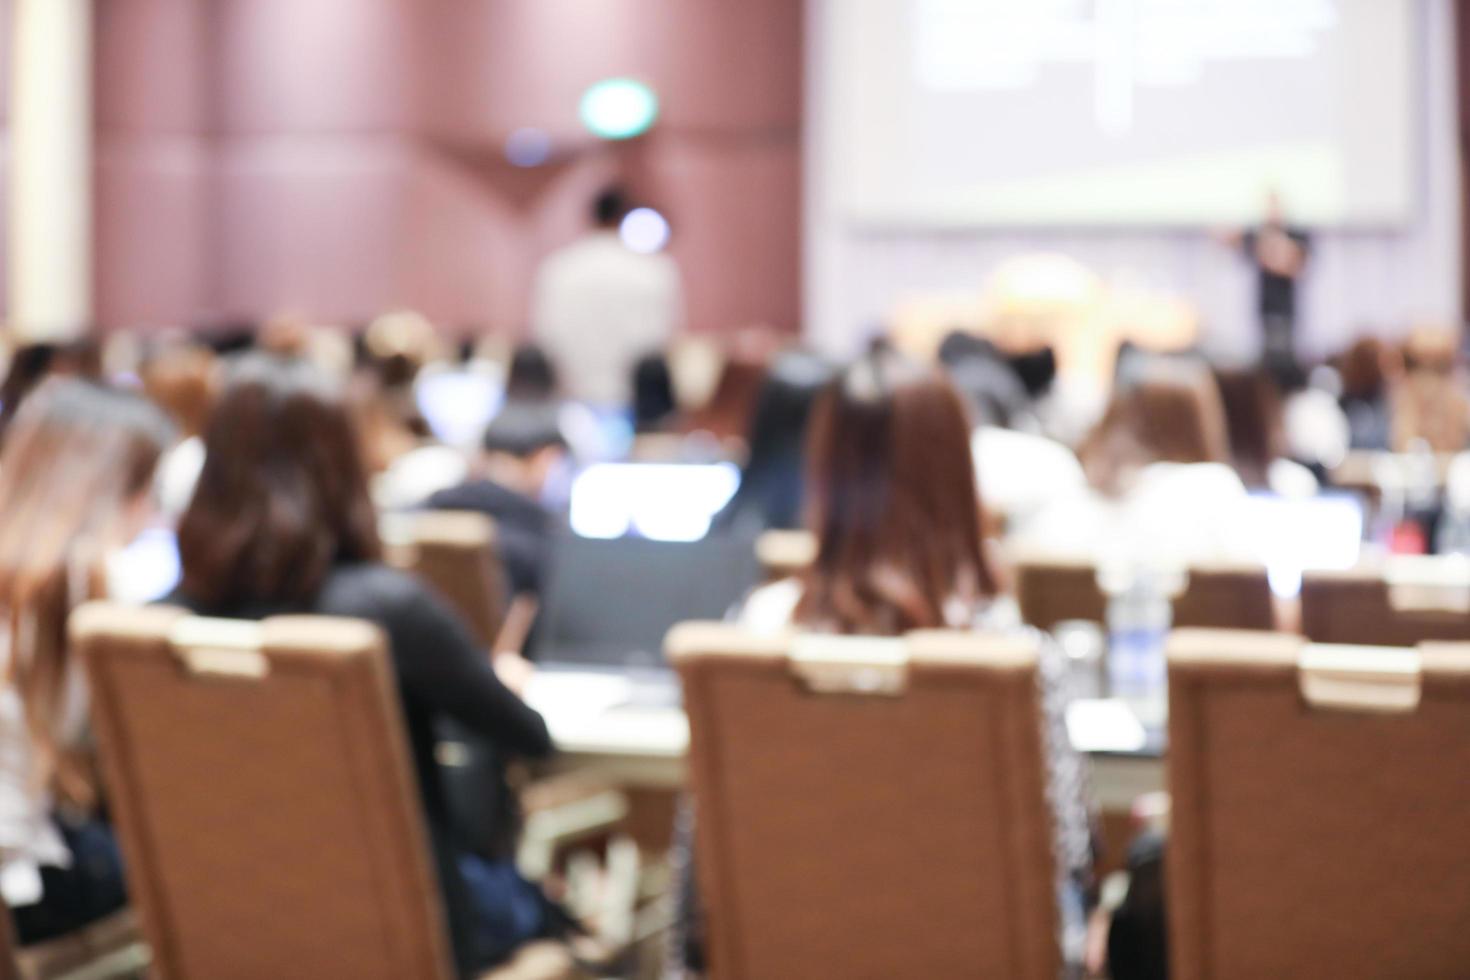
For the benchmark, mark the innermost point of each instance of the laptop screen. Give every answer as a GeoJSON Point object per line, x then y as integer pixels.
{"type": "Point", "coordinates": [610, 602]}
{"type": "Point", "coordinates": [659, 501]}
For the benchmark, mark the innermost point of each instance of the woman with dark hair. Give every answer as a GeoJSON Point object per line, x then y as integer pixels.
{"type": "Point", "coordinates": [770, 491]}
{"type": "Point", "coordinates": [75, 481]}
{"type": "Point", "coordinates": [892, 500]}
{"type": "Point", "coordinates": [282, 523]}
{"type": "Point", "coordinates": [1255, 424]}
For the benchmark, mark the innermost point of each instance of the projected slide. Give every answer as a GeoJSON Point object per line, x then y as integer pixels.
{"type": "Point", "coordinates": [1174, 112]}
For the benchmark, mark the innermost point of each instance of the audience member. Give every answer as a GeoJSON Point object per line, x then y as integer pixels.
{"type": "Point", "coordinates": [283, 523]}
{"type": "Point", "coordinates": [770, 492]}
{"type": "Point", "coordinates": [892, 499]}
{"type": "Point", "coordinates": [597, 306]}
{"type": "Point", "coordinates": [654, 406]}
{"type": "Point", "coordinates": [989, 384]}
{"type": "Point", "coordinates": [1161, 491]}
{"type": "Point", "coordinates": [33, 363]}
{"type": "Point", "coordinates": [1369, 370]}
{"type": "Point", "coordinates": [406, 467]}
{"type": "Point", "coordinates": [75, 480]}
{"type": "Point", "coordinates": [521, 449]}
{"type": "Point", "coordinates": [531, 376]}
{"type": "Point", "coordinates": [1255, 427]}
{"type": "Point", "coordinates": [179, 377]}
{"type": "Point", "coordinates": [1429, 404]}
{"type": "Point", "coordinates": [727, 412]}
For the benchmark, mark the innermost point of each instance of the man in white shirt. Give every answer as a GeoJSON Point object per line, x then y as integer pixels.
{"type": "Point", "coordinates": [599, 306]}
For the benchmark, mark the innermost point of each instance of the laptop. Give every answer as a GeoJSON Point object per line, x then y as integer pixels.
{"type": "Point", "coordinates": [608, 603]}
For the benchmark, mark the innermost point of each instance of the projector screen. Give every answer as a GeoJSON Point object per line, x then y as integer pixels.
{"type": "Point", "coordinates": [1111, 112]}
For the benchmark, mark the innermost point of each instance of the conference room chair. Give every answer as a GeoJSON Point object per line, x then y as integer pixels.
{"type": "Point", "coordinates": [1231, 596]}
{"type": "Point", "coordinates": [1419, 599]}
{"type": "Point", "coordinates": [261, 785]}
{"type": "Point", "coordinates": [454, 551]}
{"type": "Point", "coordinates": [869, 807]}
{"type": "Point", "coordinates": [783, 553]}
{"type": "Point", "coordinates": [1319, 807]}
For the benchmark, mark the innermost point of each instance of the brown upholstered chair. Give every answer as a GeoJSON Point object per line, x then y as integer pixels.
{"type": "Point", "coordinates": [1054, 590]}
{"type": "Point", "coordinates": [1364, 605]}
{"type": "Point", "coordinates": [1228, 596]}
{"type": "Point", "coordinates": [261, 785]}
{"type": "Point", "coordinates": [454, 551]}
{"type": "Point", "coordinates": [1319, 808]}
{"type": "Point", "coordinates": [869, 807]}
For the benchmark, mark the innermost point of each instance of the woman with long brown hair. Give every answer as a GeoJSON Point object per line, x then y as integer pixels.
{"type": "Point", "coordinates": [282, 522]}
{"type": "Point", "coordinates": [892, 500]}
{"type": "Point", "coordinates": [1161, 492]}
{"type": "Point", "coordinates": [75, 481]}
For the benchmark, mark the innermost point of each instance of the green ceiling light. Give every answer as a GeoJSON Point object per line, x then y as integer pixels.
{"type": "Point", "coordinates": [618, 108]}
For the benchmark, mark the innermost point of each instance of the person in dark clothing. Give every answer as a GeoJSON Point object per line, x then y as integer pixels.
{"type": "Point", "coordinates": [987, 381]}
{"type": "Point", "coordinates": [654, 404]}
{"type": "Point", "coordinates": [1138, 940]}
{"type": "Point", "coordinates": [1278, 253]}
{"type": "Point", "coordinates": [521, 448]}
{"type": "Point", "coordinates": [282, 523]}
{"type": "Point", "coordinates": [770, 491]}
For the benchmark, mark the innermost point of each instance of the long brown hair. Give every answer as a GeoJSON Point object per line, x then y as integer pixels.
{"type": "Point", "coordinates": [1172, 416]}
{"type": "Point", "coordinates": [283, 494]}
{"type": "Point", "coordinates": [75, 459]}
{"type": "Point", "coordinates": [893, 500]}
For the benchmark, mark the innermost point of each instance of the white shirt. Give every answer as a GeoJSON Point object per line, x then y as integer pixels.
{"type": "Point", "coordinates": [1172, 516]}
{"type": "Point", "coordinates": [178, 474]}
{"type": "Point", "coordinates": [597, 307]}
{"type": "Point", "coordinates": [417, 475]}
{"type": "Point", "coordinates": [1019, 473]}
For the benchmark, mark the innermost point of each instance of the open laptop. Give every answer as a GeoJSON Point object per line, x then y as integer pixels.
{"type": "Point", "coordinates": [608, 603]}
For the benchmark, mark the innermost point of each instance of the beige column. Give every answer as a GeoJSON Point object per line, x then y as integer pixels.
{"type": "Point", "coordinates": [50, 219]}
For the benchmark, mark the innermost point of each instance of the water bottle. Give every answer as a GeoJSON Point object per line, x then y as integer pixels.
{"type": "Point", "coordinates": [1453, 534]}
{"type": "Point", "coordinates": [1139, 616]}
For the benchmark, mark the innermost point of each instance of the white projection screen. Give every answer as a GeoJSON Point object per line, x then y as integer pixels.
{"type": "Point", "coordinates": [966, 113]}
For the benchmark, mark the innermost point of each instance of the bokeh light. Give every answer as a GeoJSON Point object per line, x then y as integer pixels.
{"type": "Point", "coordinates": [528, 147]}
{"type": "Point", "coordinates": [644, 230]}
{"type": "Point", "coordinates": [618, 108]}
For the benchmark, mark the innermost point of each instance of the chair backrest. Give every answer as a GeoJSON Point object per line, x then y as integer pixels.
{"type": "Point", "coordinates": [261, 783]}
{"type": "Point", "coordinates": [1054, 590]}
{"type": "Point", "coordinates": [454, 551]}
{"type": "Point", "coordinates": [1319, 808]}
{"type": "Point", "coordinates": [869, 807]}
{"type": "Point", "coordinates": [1224, 596]}
{"type": "Point", "coordinates": [785, 553]}
{"type": "Point", "coordinates": [1363, 606]}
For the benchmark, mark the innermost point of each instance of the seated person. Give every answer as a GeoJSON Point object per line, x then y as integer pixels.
{"type": "Point", "coordinates": [1255, 424]}
{"type": "Point", "coordinates": [179, 377]}
{"type": "Point", "coordinates": [770, 491]}
{"type": "Point", "coordinates": [75, 486]}
{"type": "Point", "coordinates": [1160, 491]}
{"type": "Point", "coordinates": [522, 446]}
{"type": "Point", "coordinates": [1371, 371]}
{"type": "Point", "coordinates": [283, 523]}
{"type": "Point", "coordinates": [892, 499]}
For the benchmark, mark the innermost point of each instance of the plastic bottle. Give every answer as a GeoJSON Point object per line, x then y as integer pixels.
{"type": "Point", "coordinates": [1139, 616]}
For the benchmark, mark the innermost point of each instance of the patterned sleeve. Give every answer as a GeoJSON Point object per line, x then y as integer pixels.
{"type": "Point", "coordinates": [1069, 781]}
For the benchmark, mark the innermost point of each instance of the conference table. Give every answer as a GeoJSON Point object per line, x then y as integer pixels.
{"type": "Point", "coordinates": [599, 729]}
